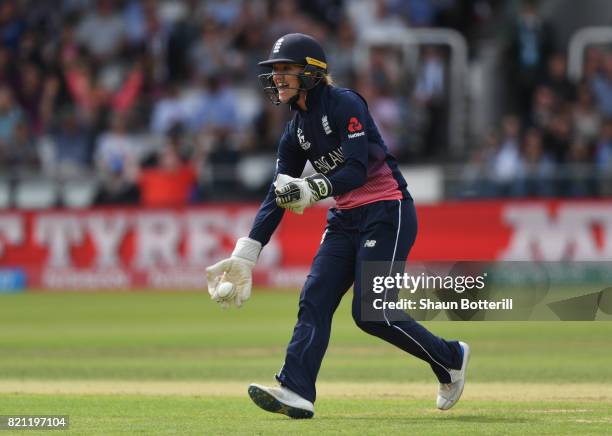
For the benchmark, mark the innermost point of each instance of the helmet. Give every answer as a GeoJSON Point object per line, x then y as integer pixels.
{"type": "Point", "coordinates": [300, 49]}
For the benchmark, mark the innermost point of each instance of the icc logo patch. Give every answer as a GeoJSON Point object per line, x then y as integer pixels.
{"type": "Point", "coordinates": [302, 140]}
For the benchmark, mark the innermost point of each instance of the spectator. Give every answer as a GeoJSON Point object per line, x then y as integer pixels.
{"type": "Point", "coordinates": [343, 55]}
{"type": "Point", "coordinates": [80, 81]}
{"type": "Point", "coordinates": [506, 160]}
{"type": "Point", "coordinates": [123, 95]}
{"type": "Point", "coordinates": [213, 52]}
{"type": "Point", "coordinates": [30, 95]}
{"type": "Point", "coordinates": [384, 71]}
{"type": "Point", "coordinates": [327, 12]}
{"type": "Point", "coordinates": [602, 87]}
{"type": "Point", "coordinates": [71, 141]}
{"type": "Point", "coordinates": [148, 35]}
{"type": "Point", "coordinates": [430, 93]}
{"type": "Point", "coordinates": [592, 65]}
{"type": "Point", "coordinates": [476, 177]}
{"type": "Point", "coordinates": [117, 158]}
{"type": "Point", "coordinates": [29, 48]}
{"type": "Point", "coordinates": [216, 112]}
{"type": "Point", "coordinates": [386, 111]}
{"type": "Point", "coordinates": [585, 116]}
{"type": "Point", "coordinates": [101, 31]}
{"type": "Point", "coordinates": [374, 17]}
{"type": "Point", "coordinates": [418, 13]}
{"type": "Point", "coordinates": [603, 148]}
{"type": "Point", "coordinates": [12, 24]}
{"type": "Point", "coordinates": [68, 44]}
{"type": "Point", "coordinates": [22, 155]}
{"type": "Point", "coordinates": [285, 18]}
{"type": "Point", "coordinates": [249, 44]}
{"type": "Point", "coordinates": [172, 181]}
{"type": "Point", "coordinates": [542, 112]}
{"type": "Point", "coordinates": [117, 148]}
{"type": "Point", "coordinates": [536, 169]}
{"type": "Point", "coordinates": [267, 126]}
{"type": "Point", "coordinates": [556, 78]}
{"type": "Point", "coordinates": [529, 43]}
{"type": "Point", "coordinates": [140, 17]}
{"type": "Point", "coordinates": [224, 12]}
{"type": "Point", "coordinates": [603, 158]}
{"type": "Point", "coordinates": [558, 136]}
{"type": "Point", "coordinates": [223, 158]}
{"type": "Point", "coordinates": [116, 88]}
{"type": "Point", "coordinates": [10, 116]}
{"type": "Point", "coordinates": [578, 177]}
{"type": "Point", "coordinates": [6, 67]}
{"type": "Point", "coordinates": [52, 99]}
{"type": "Point", "coordinates": [182, 33]}
{"type": "Point", "coordinates": [116, 187]}
{"type": "Point", "coordinates": [168, 110]}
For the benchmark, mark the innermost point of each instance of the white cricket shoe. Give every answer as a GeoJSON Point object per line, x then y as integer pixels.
{"type": "Point", "coordinates": [280, 399]}
{"type": "Point", "coordinates": [449, 393]}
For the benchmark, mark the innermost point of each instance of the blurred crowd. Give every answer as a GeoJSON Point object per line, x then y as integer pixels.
{"type": "Point", "coordinates": [158, 100]}
{"type": "Point", "coordinates": [556, 136]}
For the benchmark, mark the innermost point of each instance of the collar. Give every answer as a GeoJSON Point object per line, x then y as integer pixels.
{"type": "Point", "coordinates": [313, 99]}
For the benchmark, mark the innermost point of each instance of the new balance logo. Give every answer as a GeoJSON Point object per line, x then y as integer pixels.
{"type": "Point", "coordinates": [370, 243]}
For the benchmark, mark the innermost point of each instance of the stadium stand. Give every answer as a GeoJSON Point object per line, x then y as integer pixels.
{"type": "Point", "coordinates": [93, 89]}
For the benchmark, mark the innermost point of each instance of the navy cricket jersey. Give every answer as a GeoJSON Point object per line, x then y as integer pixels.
{"type": "Point", "coordinates": [338, 136]}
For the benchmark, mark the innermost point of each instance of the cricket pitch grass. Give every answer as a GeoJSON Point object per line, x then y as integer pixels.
{"type": "Point", "coordinates": [162, 363]}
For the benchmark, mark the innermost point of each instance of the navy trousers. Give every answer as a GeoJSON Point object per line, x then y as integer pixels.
{"type": "Point", "coordinates": [347, 243]}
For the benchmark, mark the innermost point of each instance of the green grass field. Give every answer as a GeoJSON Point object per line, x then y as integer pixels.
{"type": "Point", "coordinates": [150, 363]}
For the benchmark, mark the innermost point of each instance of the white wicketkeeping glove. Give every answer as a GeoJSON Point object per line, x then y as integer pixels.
{"type": "Point", "coordinates": [297, 194]}
{"type": "Point", "coordinates": [237, 270]}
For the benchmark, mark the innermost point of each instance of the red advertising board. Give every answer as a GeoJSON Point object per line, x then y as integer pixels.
{"type": "Point", "coordinates": [168, 249]}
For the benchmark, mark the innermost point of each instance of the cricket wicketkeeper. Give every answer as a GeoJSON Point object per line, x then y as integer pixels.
{"type": "Point", "coordinates": [374, 220]}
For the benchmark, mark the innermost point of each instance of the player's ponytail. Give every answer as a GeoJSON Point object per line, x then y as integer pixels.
{"type": "Point", "coordinates": [328, 79]}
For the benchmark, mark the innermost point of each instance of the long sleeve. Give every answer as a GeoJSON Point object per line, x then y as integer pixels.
{"type": "Point", "coordinates": [351, 118]}
{"type": "Point", "coordinates": [291, 161]}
